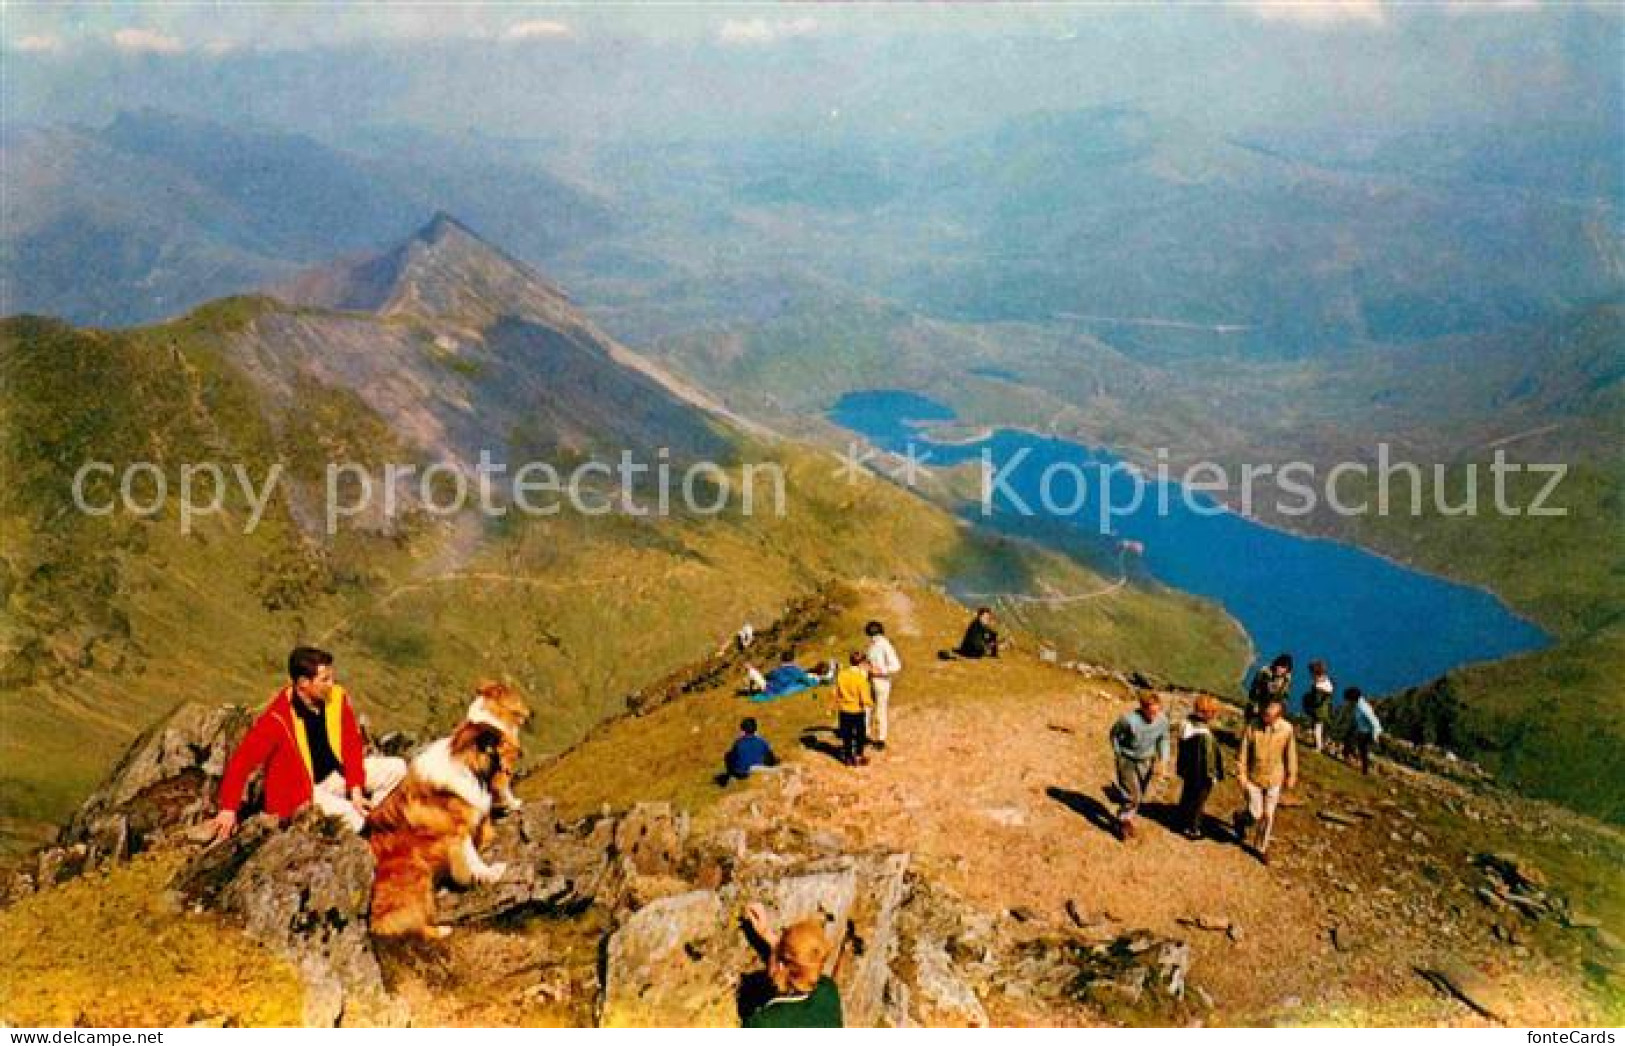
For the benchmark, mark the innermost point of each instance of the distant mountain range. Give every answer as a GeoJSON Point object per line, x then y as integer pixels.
{"type": "Point", "coordinates": [156, 213]}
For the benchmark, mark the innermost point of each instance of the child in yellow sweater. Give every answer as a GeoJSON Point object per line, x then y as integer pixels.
{"type": "Point", "coordinates": [854, 696]}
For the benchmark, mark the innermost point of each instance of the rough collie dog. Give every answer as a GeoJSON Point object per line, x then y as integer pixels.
{"type": "Point", "coordinates": [430, 829]}
{"type": "Point", "coordinates": [499, 705]}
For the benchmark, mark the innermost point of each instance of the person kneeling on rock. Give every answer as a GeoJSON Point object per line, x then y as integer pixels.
{"type": "Point", "coordinates": [794, 992]}
{"type": "Point", "coordinates": [309, 742]}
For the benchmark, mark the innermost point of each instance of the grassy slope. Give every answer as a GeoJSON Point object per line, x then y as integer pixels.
{"type": "Point", "coordinates": [110, 950]}
{"type": "Point", "coordinates": [971, 741]}
{"type": "Point", "coordinates": [112, 621]}
{"type": "Point", "coordinates": [933, 795]}
{"type": "Point", "coordinates": [1567, 574]}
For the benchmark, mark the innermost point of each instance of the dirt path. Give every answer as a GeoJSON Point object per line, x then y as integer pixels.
{"type": "Point", "coordinates": [997, 782]}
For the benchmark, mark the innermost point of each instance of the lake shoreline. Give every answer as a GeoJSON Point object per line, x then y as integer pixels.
{"type": "Point", "coordinates": [1378, 591]}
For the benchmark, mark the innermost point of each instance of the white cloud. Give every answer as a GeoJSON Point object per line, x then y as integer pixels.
{"type": "Point", "coordinates": [147, 41]}
{"type": "Point", "coordinates": [747, 31]}
{"type": "Point", "coordinates": [1321, 12]}
{"type": "Point", "coordinates": [536, 29]}
{"type": "Point", "coordinates": [40, 44]}
{"type": "Point", "coordinates": [1479, 7]}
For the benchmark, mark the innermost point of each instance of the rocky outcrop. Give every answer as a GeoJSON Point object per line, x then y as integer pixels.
{"type": "Point", "coordinates": [157, 794]}
{"type": "Point", "coordinates": [685, 959]}
{"type": "Point", "coordinates": [555, 869]}
{"type": "Point", "coordinates": [303, 890]}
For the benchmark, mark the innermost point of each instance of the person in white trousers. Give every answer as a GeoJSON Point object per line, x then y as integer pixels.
{"type": "Point", "coordinates": [884, 664]}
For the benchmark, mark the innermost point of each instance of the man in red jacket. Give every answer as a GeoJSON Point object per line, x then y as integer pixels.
{"type": "Point", "coordinates": [310, 745]}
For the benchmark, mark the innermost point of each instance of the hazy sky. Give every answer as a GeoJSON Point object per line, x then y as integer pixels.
{"type": "Point", "coordinates": [740, 69]}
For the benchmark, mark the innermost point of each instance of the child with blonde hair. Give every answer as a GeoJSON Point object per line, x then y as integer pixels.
{"type": "Point", "coordinates": [803, 995]}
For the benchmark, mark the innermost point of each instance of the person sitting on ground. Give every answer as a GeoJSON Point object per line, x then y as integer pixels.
{"type": "Point", "coordinates": [1273, 682]}
{"type": "Point", "coordinates": [1200, 764]}
{"type": "Point", "coordinates": [854, 698]}
{"type": "Point", "coordinates": [1317, 702]}
{"type": "Point", "coordinates": [755, 682]}
{"type": "Point", "coordinates": [1367, 728]}
{"type": "Point", "coordinates": [794, 992]}
{"type": "Point", "coordinates": [981, 639]}
{"type": "Point", "coordinates": [789, 677]}
{"type": "Point", "coordinates": [1140, 749]}
{"type": "Point", "coordinates": [748, 752]}
{"type": "Point", "coordinates": [309, 743]}
{"type": "Point", "coordinates": [884, 664]}
{"type": "Point", "coordinates": [1267, 762]}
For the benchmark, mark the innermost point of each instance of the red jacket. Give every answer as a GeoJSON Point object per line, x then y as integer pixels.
{"type": "Point", "coordinates": [276, 742]}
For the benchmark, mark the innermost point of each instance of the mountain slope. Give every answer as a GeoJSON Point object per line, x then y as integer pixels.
{"type": "Point", "coordinates": [111, 619]}
{"type": "Point", "coordinates": [968, 874]}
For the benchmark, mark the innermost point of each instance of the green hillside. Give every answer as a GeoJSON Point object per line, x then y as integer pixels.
{"type": "Point", "coordinates": [113, 619]}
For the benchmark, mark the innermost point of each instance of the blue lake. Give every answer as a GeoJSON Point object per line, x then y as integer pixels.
{"type": "Point", "coordinates": [1377, 624]}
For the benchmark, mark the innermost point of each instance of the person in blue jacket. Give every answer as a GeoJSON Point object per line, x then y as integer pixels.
{"type": "Point", "coordinates": [749, 751]}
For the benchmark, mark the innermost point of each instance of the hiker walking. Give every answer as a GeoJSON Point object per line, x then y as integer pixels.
{"type": "Point", "coordinates": [1317, 702]}
{"type": "Point", "coordinates": [1273, 682]}
{"type": "Point", "coordinates": [1199, 763]}
{"type": "Point", "coordinates": [1140, 747]}
{"type": "Point", "coordinates": [1267, 762]}
{"type": "Point", "coordinates": [854, 697]}
{"type": "Point", "coordinates": [1367, 729]}
{"type": "Point", "coordinates": [884, 664]}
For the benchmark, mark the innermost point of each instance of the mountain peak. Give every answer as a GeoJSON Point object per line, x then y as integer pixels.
{"type": "Point", "coordinates": [443, 225]}
{"type": "Point", "coordinates": [444, 272]}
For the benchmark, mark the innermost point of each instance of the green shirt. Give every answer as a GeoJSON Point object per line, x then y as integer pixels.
{"type": "Point", "coordinates": [819, 1008]}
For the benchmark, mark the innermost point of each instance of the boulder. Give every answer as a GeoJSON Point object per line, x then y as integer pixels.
{"type": "Point", "coordinates": [554, 870]}
{"type": "Point", "coordinates": [684, 958]}
{"type": "Point", "coordinates": [1137, 977]}
{"type": "Point", "coordinates": [303, 890]}
{"type": "Point", "coordinates": [651, 837]}
{"type": "Point", "coordinates": [163, 786]}
{"type": "Point", "coordinates": [664, 966]}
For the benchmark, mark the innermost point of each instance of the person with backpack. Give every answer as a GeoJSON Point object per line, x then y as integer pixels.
{"type": "Point", "coordinates": [1199, 764]}
{"type": "Point", "coordinates": [1273, 682]}
{"type": "Point", "coordinates": [1317, 702]}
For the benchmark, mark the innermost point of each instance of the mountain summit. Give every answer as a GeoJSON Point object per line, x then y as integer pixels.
{"type": "Point", "coordinates": [445, 272]}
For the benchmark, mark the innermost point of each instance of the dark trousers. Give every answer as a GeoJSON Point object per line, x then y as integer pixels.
{"type": "Point", "coordinates": [854, 731]}
{"type": "Point", "coordinates": [1193, 798]}
{"type": "Point", "coordinates": [1362, 750]}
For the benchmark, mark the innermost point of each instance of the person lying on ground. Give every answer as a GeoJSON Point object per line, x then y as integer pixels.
{"type": "Point", "coordinates": [789, 678]}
